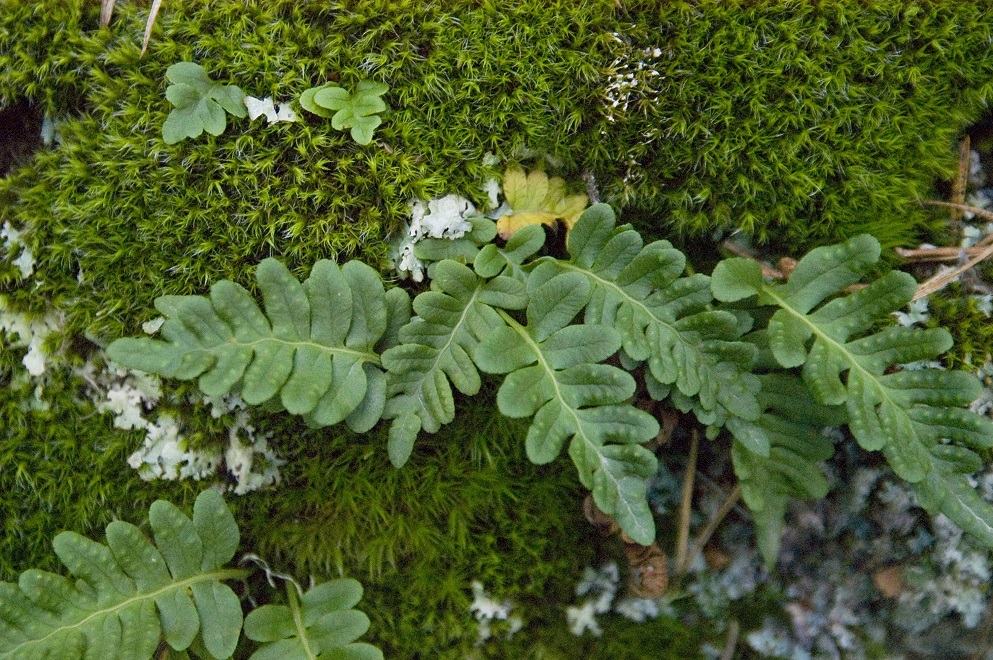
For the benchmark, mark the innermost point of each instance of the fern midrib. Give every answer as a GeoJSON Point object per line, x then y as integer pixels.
{"type": "Point", "coordinates": [522, 331]}
{"type": "Point", "coordinates": [633, 301]}
{"type": "Point", "coordinates": [223, 574]}
{"type": "Point", "coordinates": [853, 363]}
{"type": "Point", "coordinates": [447, 346]}
{"type": "Point", "coordinates": [294, 604]}
{"type": "Point", "coordinates": [344, 350]}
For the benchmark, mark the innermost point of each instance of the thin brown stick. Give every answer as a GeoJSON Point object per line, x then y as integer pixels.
{"type": "Point", "coordinates": [939, 253]}
{"type": "Point", "coordinates": [982, 213]}
{"type": "Point", "coordinates": [941, 280]}
{"type": "Point", "coordinates": [685, 506]}
{"type": "Point", "coordinates": [106, 11]}
{"type": "Point", "coordinates": [715, 520]}
{"type": "Point", "coordinates": [959, 185]}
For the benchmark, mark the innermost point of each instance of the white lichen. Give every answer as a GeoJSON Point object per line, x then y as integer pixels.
{"type": "Point", "coordinates": [259, 107]}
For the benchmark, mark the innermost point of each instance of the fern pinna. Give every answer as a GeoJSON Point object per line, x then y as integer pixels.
{"type": "Point", "coordinates": [131, 595]}
{"type": "Point", "coordinates": [550, 325]}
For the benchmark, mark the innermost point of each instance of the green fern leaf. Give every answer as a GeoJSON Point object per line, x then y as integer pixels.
{"type": "Point", "coordinates": [508, 260]}
{"type": "Point", "coordinates": [130, 593]}
{"type": "Point", "coordinates": [905, 414]}
{"type": "Point", "coordinates": [947, 489]}
{"type": "Point", "coordinates": [553, 374]}
{"type": "Point", "coordinates": [436, 347]}
{"type": "Point", "coordinates": [319, 624]}
{"type": "Point", "coordinates": [792, 420]}
{"type": "Point", "coordinates": [664, 320]}
{"type": "Point", "coordinates": [313, 348]}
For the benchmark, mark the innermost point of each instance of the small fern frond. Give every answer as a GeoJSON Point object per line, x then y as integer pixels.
{"type": "Point", "coordinates": [313, 349]}
{"type": "Point", "coordinates": [793, 421]}
{"type": "Point", "coordinates": [319, 624]}
{"type": "Point", "coordinates": [905, 414]}
{"type": "Point", "coordinates": [436, 349]}
{"type": "Point", "coordinates": [664, 320]}
{"type": "Point", "coordinates": [553, 374]}
{"type": "Point", "coordinates": [131, 593]}
{"type": "Point", "coordinates": [509, 260]}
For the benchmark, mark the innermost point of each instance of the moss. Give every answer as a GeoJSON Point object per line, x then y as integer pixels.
{"type": "Point", "coordinates": [952, 308]}
{"type": "Point", "coordinates": [802, 122]}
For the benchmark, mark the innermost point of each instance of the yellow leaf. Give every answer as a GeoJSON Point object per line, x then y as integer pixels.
{"type": "Point", "coordinates": [536, 199]}
{"type": "Point", "coordinates": [507, 225]}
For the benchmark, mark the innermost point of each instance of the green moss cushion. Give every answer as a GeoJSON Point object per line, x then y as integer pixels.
{"type": "Point", "coordinates": [804, 123]}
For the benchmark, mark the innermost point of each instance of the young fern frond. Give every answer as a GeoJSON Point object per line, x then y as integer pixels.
{"type": "Point", "coordinates": [131, 593]}
{"type": "Point", "coordinates": [692, 352]}
{"type": "Point", "coordinates": [319, 624]}
{"type": "Point", "coordinates": [436, 349]}
{"type": "Point", "coordinates": [906, 414]}
{"type": "Point", "coordinates": [793, 421]}
{"type": "Point", "coordinates": [313, 350]}
{"type": "Point", "coordinates": [553, 374]}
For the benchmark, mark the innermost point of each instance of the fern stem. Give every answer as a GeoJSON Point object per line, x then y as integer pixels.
{"type": "Point", "coordinates": [715, 520]}
{"type": "Point", "coordinates": [293, 600]}
{"type": "Point", "coordinates": [686, 506]}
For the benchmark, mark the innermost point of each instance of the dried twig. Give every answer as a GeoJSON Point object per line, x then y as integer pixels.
{"type": "Point", "coordinates": [734, 629]}
{"type": "Point", "coordinates": [982, 213]}
{"type": "Point", "coordinates": [738, 251]}
{"type": "Point", "coordinates": [958, 187]}
{"type": "Point", "coordinates": [941, 280]}
{"type": "Point", "coordinates": [940, 253]}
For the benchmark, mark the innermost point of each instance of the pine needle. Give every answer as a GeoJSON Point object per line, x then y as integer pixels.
{"type": "Point", "coordinates": [156, 5]}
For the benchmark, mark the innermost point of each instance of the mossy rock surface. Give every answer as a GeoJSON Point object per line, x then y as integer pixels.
{"type": "Point", "coordinates": [801, 123]}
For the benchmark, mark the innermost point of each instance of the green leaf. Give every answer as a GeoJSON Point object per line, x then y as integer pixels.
{"type": "Point", "coordinates": [318, 359]}
{"type": "Point", "coordinates": [846, 360]}
{"type": "Point", "coordinates": [792, 421]}
{"type": "Point", "coordinates": [357, 111]}
{"type": "Point", "coordinates": [436, 348]}
{"type": "Point", "coordinates": [946, 488]}
{"type": "Point", "coordinates": [200, 103]}
{"type": "Point", "coordinates": [130, 593]}
{"type": "Point", "coordinates": [664, 320]}
{"type": "Point", "coordinates": [552, 374]}
{"type": "Point", "coordinates": [321, 624]}
{"type": "Point", "coordinates": [736, 279]}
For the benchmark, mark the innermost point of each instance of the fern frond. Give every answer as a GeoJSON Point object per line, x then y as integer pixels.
{"type": "Point", "coordinates": [905, 414]}
{"type": "Point", "coordinates": [553, 374]}
{"type": "Point", "coordinates": [130, 593]}
{"type": "Point", "coordinates": [793, 421]}
{"type": "Point", "coordinates": [313, 349]}
{"type": "Point", "coordinates": [509, 260]}
{"type": "Point", "coordinates": [436, 348]}
{"type": "Point", "coordinates": [319, 624]}
{"type": "Point", "coordinates": [664, 319]}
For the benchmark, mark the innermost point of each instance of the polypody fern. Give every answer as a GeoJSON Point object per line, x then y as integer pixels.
{"type": "Point", "coordinates": [132, 594]}
{"type": "Point", "coordinates": [550, 325]}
